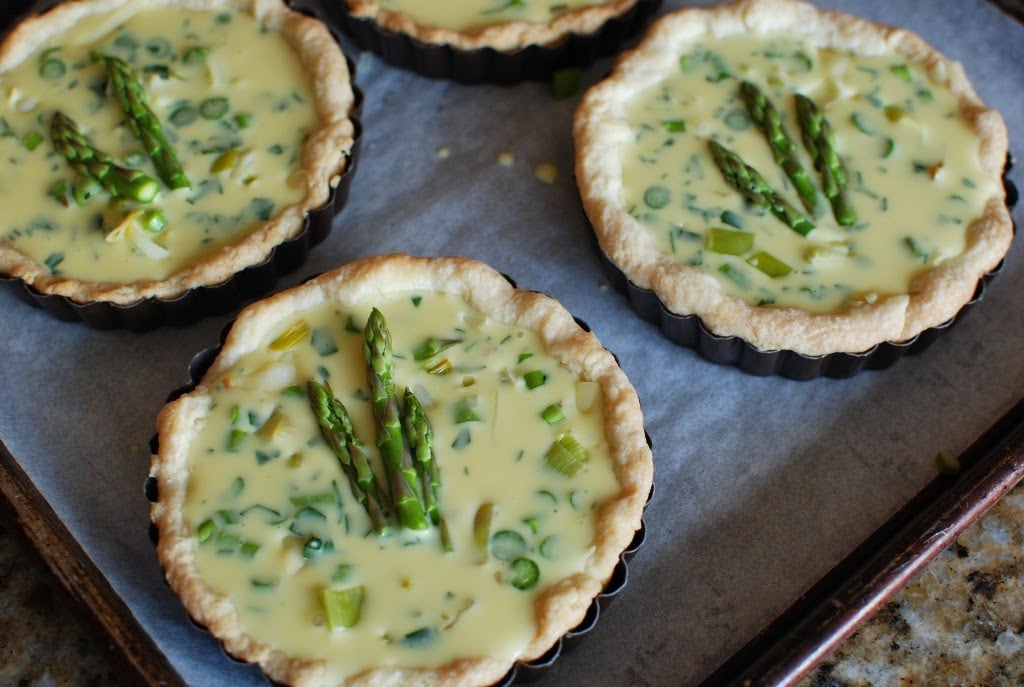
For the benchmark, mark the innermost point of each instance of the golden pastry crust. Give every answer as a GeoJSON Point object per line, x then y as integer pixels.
{"type": "Point", "coordinates": [933, 297]}
{"type": "Point", "coordinates": [506, 36]}
{"type": "Point", "coordinates": [559, 607]}
{"type": "Point", "coordinates": [324, 156]}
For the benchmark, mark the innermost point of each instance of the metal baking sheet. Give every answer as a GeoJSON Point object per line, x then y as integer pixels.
{"type": "Point", "coordinates": [764, 485]}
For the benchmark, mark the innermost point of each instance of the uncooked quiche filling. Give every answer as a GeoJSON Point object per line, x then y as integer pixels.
{"type": "Point", "coordinates": [522, 467]}
{"type": "Point", "coordinates": [913, 180]}
{"type": "Point", "coordinates": [235, 107]}
{"type": "Point", "coordinates": [466, 15]}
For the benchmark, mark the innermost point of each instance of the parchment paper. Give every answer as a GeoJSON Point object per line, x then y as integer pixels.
{"type": "Point", "coordinates": [762, 484]}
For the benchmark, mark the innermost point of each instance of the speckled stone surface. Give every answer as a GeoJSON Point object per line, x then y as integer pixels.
{"type": "Point", "coordinates": [45, 640]}
{"type": "Point", "coordinates": [960, 622]}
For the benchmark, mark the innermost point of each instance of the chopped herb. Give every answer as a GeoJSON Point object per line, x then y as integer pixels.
{"type": "Point", "coordinates": [323, 342]}
{"type": "Point", "coordinates": [741, 280]}
{"type": "Point", "coordinates": [419, 638]}
{"type": "Point", "coordinates": [674, 125]}
{"type": "Point", "coordinates": [53, 260]}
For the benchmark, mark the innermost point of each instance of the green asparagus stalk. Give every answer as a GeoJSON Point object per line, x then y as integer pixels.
{"type": "Point", "coordinates": [768, 120]}
{"type": "Point", "coordinates": [95, 165]}
{"type": "Point", "coordinates": [819, 139]}
{"type": "Point", "coordinates": [752, 185]}
{"type": "Point", "coordinates": [420, 435]}
{"type": "Point", "coordinates": [143, 121]}
{"type": "Point", "coordinates": [337, 430]}
{"type": "Point", "coordinates": [398, 464]}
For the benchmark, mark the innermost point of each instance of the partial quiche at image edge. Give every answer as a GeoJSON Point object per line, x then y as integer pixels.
{"type": "Point", "coordinates": [792, 191]}
{"type": "Point", "coordinates": [161, 178]}
{"type": "Point", "coordinates": [491, 41]}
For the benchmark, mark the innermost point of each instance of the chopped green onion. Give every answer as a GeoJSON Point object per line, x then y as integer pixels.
{"type": "Point", "coordinates": [184, 115]}
{"type": "Point", "coordinates": [901, 71]}
{"type": "Point", "coordinates": [154, 221]}
{"type": "Point", "coordinates": [291, 336]}
{"type": "Point", "coordinates": [729, 241]}
{"type": "Point", "coordinates": [243, 120]}
{"type": "Point", "coordinates": [342, 606]}
{"type": "Point", "coordinates": [525, 573]}
{"type": "Point", "coordinates": [508, 545]}
{"type": "Point", "coordinates": [482, 529]}
{"type": "Point", "coordinates": [213, 108]}
{"type": "Point", "coordinates": [657, 197]}
{"type": "Point", "coordinates": [674, 125]}
{"type": "Point", "coordinates": [52, 68]}
{"type": "Point", "coordinates": [432, 346]}
{"type": "Point", "coordinates": [547, 547]}
{"type": "Point", "coordinates": [732, 219]}
{"type": "Point", "coordinates": [225, 161]}
{"type": "Point", "coordinates": [464, 411]}
{"type": "Point", "coordinates": [205, 530]}
{"type": "Point", "coordinates": [738, 278]}
{"type": "Point", "coordinates": [32, 140]}
{"type": "Point", "coordinates": [567, 455]}
{"type": "Point", "coordinates": [420, 637]}
{"type": "Point", "coordinates": [553, 414]}
{"type": "Point", "coordinates": [534, 379]}
{"type": "Point", "coordinates": [769, 264]}
{"type": "Point", "coordinates": [196, 55]}
{"type": "Point", "coordinates": [235, 439]}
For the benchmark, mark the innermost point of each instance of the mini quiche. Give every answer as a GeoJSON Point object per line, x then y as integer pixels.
{"type": "Point", "coordinates": [804, 181]}
{"type": "Point", "coordinates": [403, 472]}
{"type": "Point", "coordinates": [158, 146]}
{"type": "Point", "coordinates": [492, 40]}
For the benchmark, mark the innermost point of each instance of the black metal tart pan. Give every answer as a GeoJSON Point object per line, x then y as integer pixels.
{"type": "Point", "coordinates": [487, 65]}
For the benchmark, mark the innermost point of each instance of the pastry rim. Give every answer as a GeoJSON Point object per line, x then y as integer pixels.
{"type": "Point", "coordinates": [325, 155]}
{"type": "Point", "coordinates": [933, 298]}
{"type": "Point", "coordinates": [560, 607]}
{"type": "Point", "coordinates": [505, 36]}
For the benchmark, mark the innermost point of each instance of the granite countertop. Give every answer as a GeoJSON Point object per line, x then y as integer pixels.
{"type": "Point", "coordinates": [959, 622]}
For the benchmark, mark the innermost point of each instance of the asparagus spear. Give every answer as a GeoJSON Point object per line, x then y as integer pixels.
{"type": "Point", "coordinates": [821, 144]}
{"type": "Point", "coordinates": [337, 430]}
{"type": "Point", "coordinates": [143, 121]}
{"type": "Point", "coordinates": [398, 464]}
{"type": "Point", "coordinates": [768, 120]}
{"type": "Point", "coordinates": [420, 435]}
{"type": "Point", "coordinates": [98, 166]}
{"type": "Point", "coordinates": [752, 185]}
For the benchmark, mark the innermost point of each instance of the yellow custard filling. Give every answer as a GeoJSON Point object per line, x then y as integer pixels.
{"type": "Point", "coordinates": [233, 100]}
{"type": "Point", "coordinates": [277, 524]}
{"type": "Point", "coordinates": [914, 178]}
{"type": "Point", "coordinates": [466, 15]}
